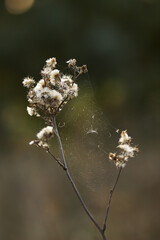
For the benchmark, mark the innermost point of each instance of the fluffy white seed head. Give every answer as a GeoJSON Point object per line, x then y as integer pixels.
{"type": "Point", "coordinates": [30, 111]}
{"type": "Point", "coordinates": [66, 79]}
{"type": "Point", "coordinates": [46, 93]}
{"type": "Point", "coordinates": [39, 86]}
{"type": "Point", "coordinates": [53, 76]}
{"type": "Point", "coordinates": [120, 164]}
{"type": "Point", "coordinates": [46, 71]}
{"type": "Point", "coordinates": [126, 151]}
{"type": "Point", "coordinates": [124, 137]}
{"type": "Point", "coordinates": [28, 82]}
{"type": "Point", "coordinates": [41, 144]}
{"type": "Point", "coordinates": [74, 90]}
{"type": "Point", "coordinates": [71, 62]}
{"type": "Point", "coordinates": [45, 133]}
{"type": "Point", "coordinates": [51, 62]}
{"type": "Point", "coordinates": [56, 95]}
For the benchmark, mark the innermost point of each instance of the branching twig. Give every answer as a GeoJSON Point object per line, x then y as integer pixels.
{"type": "Point", "coordinates": [110, 199]}
{"type": "Point", "coordinates": [72, 182]}
{"type": "Point", "coordinates": [57, 160]}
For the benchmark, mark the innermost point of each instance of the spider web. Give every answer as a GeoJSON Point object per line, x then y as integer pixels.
{"type": "Point", "coordinates": [88, 137]}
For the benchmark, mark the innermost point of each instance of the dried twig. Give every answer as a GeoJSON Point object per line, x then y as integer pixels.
{"type": "Point", "coordinates": [110, 199]}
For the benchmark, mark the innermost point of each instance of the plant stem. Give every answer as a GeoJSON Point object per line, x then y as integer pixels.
{"type": "Point", "coordinates": [72, 182]}
{"type": "Point", "coordinates": [57, 160]}
{"type": "Point", "coordinates": [110, 199]}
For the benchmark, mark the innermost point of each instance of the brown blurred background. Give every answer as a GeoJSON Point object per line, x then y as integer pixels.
{"type": "Point", "coordinates": [120, 43]}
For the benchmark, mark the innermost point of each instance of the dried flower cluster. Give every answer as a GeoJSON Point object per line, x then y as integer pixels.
{"type": "Point", "coordinates": [43, 137]}
{"type": "Point", "coordinates": [48, 96]}
{"type": "Point", "coordinates": [126, 151]}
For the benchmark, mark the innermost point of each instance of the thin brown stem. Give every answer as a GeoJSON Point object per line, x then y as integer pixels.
{"type": "Point", "coordinates": [57, 160]}
{"type": "Point", "coordinates": [73, 184]}
{"type": "Point", "coordinates": [110, 199]}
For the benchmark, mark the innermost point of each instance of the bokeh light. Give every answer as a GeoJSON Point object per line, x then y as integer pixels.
{"type": "Point", "coordinates": [18, 6]}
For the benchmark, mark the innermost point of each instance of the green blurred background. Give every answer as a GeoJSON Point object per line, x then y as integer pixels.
{"type": "Point", "coordinates": [120, 43]}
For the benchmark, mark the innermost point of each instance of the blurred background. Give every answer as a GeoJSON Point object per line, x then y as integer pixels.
{"type": "Point", "coordinates": [120, 43]}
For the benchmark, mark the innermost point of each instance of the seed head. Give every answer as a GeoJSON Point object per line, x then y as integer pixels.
{"type": "Point", "coordinates": [49, 95]}
{"type": "Point", "coordinates": [28, 82]}
{"type": "Point", "coordinates": [126, 151]}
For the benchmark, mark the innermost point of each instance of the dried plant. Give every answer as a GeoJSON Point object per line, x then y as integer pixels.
{"type": "Point", "coordinates": [46, 99]}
